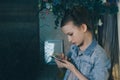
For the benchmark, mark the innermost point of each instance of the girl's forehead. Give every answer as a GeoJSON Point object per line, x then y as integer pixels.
{"type": "Point", "coordinates": [69, 26]}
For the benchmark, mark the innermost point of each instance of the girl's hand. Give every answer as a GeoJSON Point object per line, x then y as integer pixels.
{"type": "Point", "coordinates": [59, 62]}
{"type": "Point", "coordinates": [65, 64]}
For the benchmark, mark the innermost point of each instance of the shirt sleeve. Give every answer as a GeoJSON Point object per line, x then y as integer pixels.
{"type": "Point", "coordinates": [101, 68]}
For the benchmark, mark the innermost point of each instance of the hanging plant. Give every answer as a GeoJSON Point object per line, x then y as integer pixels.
{"type": "Point", "coordinates": [96, 7]}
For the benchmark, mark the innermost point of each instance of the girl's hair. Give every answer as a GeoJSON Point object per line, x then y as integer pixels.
{"type": "Point", "coordinates": [78, 15]}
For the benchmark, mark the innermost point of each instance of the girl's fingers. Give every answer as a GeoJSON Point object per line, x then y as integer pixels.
{"type": "Point", "coordinates": [62, 56]}
{"type": "Point", "coordinates": [65, 61]}
{"type": "Point", "coordinates": [65, 57]}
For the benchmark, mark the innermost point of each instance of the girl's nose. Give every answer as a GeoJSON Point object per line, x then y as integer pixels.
{"type": "Point", "coordinates": [69, 39]}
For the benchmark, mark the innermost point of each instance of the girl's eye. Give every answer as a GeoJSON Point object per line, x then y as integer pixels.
{"type": "Point", "coordinates": [71, 34]}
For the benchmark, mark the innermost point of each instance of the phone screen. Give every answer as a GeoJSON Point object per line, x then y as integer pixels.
{"type": "Point", "coordinates": [56, 57]}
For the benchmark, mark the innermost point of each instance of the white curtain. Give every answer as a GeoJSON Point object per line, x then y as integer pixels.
{"type": "Point", "coordinates": [110, 42]}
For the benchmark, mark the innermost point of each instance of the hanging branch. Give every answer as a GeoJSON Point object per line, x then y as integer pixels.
{"type": "Point", "coordinates": [96, 7]}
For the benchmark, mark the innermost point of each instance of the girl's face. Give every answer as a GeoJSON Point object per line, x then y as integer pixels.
{"type": "Point", "coordinates": [75, 34]}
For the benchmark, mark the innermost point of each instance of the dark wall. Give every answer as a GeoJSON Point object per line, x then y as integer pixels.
{"type": "Point", "coordinates": [19, 40]}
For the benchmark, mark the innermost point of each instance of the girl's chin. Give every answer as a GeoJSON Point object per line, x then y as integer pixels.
{"type": "Point", "coordinates": [76, 44]}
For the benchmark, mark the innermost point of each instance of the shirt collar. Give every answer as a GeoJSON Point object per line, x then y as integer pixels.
{"type": "Point", "coordinates": [89, 49]}
{"type": "Point", "coordinates": [87, 52]}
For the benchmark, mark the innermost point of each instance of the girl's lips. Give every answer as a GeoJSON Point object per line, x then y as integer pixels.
{"type": "Point", "coordinates": [73, 43]}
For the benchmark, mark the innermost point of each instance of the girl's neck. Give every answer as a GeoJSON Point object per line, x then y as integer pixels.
{"type": "Point", "coordinates": [87, 41]}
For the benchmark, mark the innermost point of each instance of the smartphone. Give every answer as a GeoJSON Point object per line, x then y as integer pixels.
{"type": "Point", "coordinates": [57, 58]}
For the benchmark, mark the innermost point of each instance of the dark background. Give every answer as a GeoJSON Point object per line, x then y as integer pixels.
{"type": "Point", "coordinates": [19, 40]}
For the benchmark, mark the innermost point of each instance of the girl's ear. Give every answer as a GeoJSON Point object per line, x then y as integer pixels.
{"type": "Point", "coordinates": [84, 27]}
